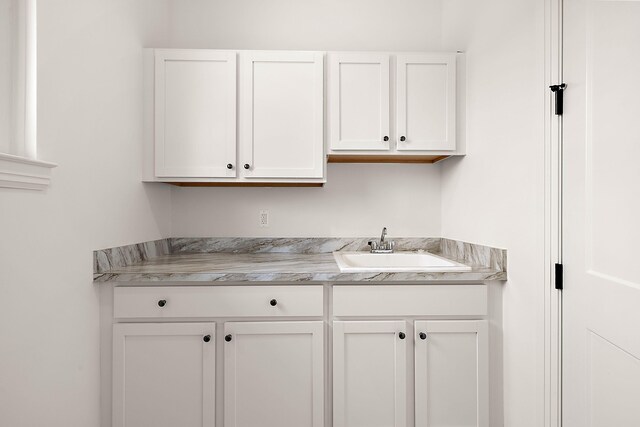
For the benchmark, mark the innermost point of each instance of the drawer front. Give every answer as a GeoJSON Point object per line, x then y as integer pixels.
{"type": "Point", "coordinates": [410, 300]}
{"type": "Point", "coordinates": [217, 301]}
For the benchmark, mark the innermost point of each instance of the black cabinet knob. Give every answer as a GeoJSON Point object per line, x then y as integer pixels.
{"type": "Point", "coordinates": [229, 166]}
{"type": "Point", "coordinates": [401, 335]}
{"type": "Point", "coordinates": [162, 302]}
{"type": "Point", "coordinates": [273, 302]}
{"type": "Point", "coordinates": [227, 338]}
{"type": "Point", "coordinates": [206, 338]}
{"type": "Point", "coordinates": [386, 138]}
{"type": "Point", "coordinates": [247, 166]}
{"type": "Point", "coordinates": [422, 336]}
{"type": "Point", "coordinates": [402, 138]}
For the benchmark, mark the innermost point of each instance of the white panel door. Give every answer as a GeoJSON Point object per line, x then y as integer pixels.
{"type": "Point", "coordinates": [451, 374]}
{"type": "Point", "coordinates": [601, 208]}
{"type": "Point", "coordinates": [370, 374]}
{"type": "Point", "coordinates": [195, 113]}
{"type": "Point", "coordinates": [359, 101]}
{"type": "Point", "coordinates": [426, 111]}
{"type": "Point", "coordinates": [282, 115]}
{"type": "Point", "coordinates": [164, 375]}
{"type": "Point", "coordinates": [274, 374]}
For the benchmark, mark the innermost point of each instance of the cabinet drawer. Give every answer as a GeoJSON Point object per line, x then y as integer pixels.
{"type": "Point", "coordinates": [217, 301]}
{"type": "Point", "coordinates": [410, 300]}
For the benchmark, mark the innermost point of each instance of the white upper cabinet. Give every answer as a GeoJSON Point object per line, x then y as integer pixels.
{"type": "Point", "coordinates": [421, 123]}
{"type": "Point", "coordinates": [195, 113]}
{"type": "Point", "coordinates": [251, 117]}
{"type": "Point", "coordinates": [273, 99]}
{"type": "Point", "coordinates": [359, 101]}
{"type": "Point", "coordinates": [426, 94]}
{"type": "Point", "coordinates": [282, 115]}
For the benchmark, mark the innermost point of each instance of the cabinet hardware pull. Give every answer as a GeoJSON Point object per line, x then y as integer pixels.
{"type": "Point", "coordinates": [206, 338]}
{"type": "Point", "coordinates": [386, 138]}
{"type": "Point", "coordinates": [401, 335]}
{"type": "Point", "coordinates": [247, 166]}
{"type": "Point", "coordinates": [273, 302]}
{"type": "Point", "coordinates": [402, 138]}
{"type": "Point", "coordinates": [229, 166]}
{"type": "Point", "coordinates": [227, 338]}
{"type": "Point", "coordinates": [423, 336]}
{"type": "Point", "coordinates": [162, 302]}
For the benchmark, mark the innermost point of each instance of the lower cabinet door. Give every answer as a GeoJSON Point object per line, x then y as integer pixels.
{"type": "Point", "coordinates": [274, 374]}
{"type": "Point", "coordinates": [164, 375]}
{"type": "Point", "coordinates": [370, 374]}
{"type": "Point", "coordinates": [451, 374]}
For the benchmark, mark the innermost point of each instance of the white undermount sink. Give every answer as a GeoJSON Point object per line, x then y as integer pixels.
{"type": "Point", "coordinates": [362, 262]}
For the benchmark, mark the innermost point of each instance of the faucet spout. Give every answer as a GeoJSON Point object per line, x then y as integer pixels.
{"type": "Point", "coordinates": [384, 246]}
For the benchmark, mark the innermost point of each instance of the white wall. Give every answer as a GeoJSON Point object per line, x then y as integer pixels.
{"type": "Point", "coordinates": [306, 25]}
{"type": "Point", "coordinates": [494, 195]}
{"type": "Point", "coordinates": [90, 123]}
{"type": "Point", "coordinates": [7, 37]}
{"type": "Point", "coordinates": [358, 199]}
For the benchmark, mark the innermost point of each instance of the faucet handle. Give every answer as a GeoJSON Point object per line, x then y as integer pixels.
{"type": "Point", "coordinates": [374, 245]}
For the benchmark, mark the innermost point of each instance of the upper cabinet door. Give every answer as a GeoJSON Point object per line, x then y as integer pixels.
{"type": "Point", "coordinates": [359, 101]}
{"type": "Point", "coordinates": [195, 113]}
{"type": "Point", "coordinates": [426, 102]}
{"type": "Point", "coordinates": [282, 115]}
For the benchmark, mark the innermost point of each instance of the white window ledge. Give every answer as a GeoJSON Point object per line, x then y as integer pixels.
{"type": "Point", "coordinates": [24, 173]}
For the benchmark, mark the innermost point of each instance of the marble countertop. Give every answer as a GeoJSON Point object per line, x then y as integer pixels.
{"type": "Point", "coordinates": [272, 260]}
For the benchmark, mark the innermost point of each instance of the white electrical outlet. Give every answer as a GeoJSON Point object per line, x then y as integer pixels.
{"type": "Point", "coordinates": [263, 218]}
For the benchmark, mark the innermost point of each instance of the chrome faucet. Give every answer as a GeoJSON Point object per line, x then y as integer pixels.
{"type": "Point", "coordinates": [384, 246]}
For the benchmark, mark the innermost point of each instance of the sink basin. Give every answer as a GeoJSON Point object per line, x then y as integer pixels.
{"type": "Point", "coordinates": [357, 262]}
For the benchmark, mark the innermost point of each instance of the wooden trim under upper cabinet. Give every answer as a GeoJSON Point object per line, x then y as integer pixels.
{"type": "Point", "coordinates": [246, 184]}
{"type": "Point", "coordinates": [384, 158]}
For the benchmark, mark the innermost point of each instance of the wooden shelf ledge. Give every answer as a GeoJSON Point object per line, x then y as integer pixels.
{"type": "Point", "coordinates": [384, 158]}
{"type": "Point", "coordinates": [246, 184]}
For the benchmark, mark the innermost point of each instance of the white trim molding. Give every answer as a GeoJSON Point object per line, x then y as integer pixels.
{"type": "Point", "coordinates": [23, 173]}
{"type": "Point", "coordinates": [21, 169]}
{"type": "Point", "coordinates": [553, 219]}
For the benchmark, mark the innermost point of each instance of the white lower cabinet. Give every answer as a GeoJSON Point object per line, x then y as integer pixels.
{"type": "Point", "coordinates": [164, 375]}
{"type": "Point", "coordinates": [274, 374]}
{"type": "Point", "coordinates": [451, 374]}
{"type": "Point", "coordinates": [391, 370]}
{"type": "Point", "coordinates": [369, 374]}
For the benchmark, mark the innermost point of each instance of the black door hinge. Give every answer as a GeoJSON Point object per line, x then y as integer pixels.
{"type": "Point", "coordinates": [559, 90]}
{"type": "Point", "coordinates": [559, 277]}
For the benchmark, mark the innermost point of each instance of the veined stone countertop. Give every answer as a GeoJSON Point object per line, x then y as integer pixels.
{"type": "Point", "coordinates": [281, 260]}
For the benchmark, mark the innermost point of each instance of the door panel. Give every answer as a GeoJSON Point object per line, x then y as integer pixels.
{"type": "Point", "coordinates": [451, 376]}
{"type": "Point", "coordinates": [195, 113]}
{"type": "Point", "coordinates": [359, 101]}
{"type": "Point", "coordinates": [163, 375]}
{"type": "Point", "coordinates": [282, 132]}
{"type": "Point", "coordinates": [614, 384]}
{"type": "Point", "coordinates": [601, 204]}
{"type": "Point", "coordinates": [369, 374]}
{"type": "Point", "coordinates": [426, 102]}
{"type": "Point", "coordinates": [274, 374]}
